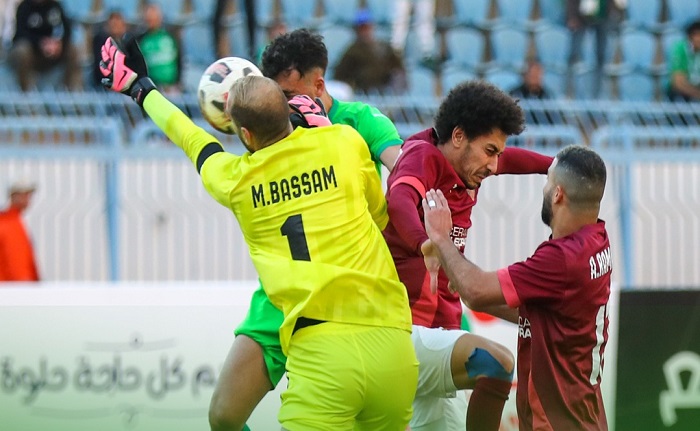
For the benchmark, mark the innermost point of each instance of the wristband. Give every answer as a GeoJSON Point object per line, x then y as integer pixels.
{"type": "Point", "coordinates": [140, 89]}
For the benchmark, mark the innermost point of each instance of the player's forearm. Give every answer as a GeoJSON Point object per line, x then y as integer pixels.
{"type": "Point", "coordinates": [467, 279]}
{"type": "Point", "coordinates": [178, 127]}
{"type": "Point", "coordinates": [502, 312]}
{"type": "Point", "coordinates": [522, 161]}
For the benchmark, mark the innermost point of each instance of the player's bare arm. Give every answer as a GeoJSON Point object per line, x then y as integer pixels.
{"type": "Point", "coordinates": [389, 155]}
{"type": "Point", "coordinates": [478, 289]}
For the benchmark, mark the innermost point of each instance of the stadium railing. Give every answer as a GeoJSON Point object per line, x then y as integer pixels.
{"type": "Point", "coordinates": [142, 196]}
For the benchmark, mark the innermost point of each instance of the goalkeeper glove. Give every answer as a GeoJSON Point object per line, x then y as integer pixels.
{"type": "Point", "coordinates": [124, 69]}
{"type": "Point", "coordinates": [307, 113]}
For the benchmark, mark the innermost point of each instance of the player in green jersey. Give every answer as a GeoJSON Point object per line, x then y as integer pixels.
{"type": "Point", "coordinates": [255, 365]}
{"type": "Point", "coordinates": [297, 194]}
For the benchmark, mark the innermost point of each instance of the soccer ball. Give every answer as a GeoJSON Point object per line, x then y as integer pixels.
{"type": "Point", "coordinates": [214, 87]}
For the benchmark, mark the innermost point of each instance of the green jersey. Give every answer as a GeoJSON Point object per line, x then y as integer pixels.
{"type": "Point", "coordinates": [375, 128]}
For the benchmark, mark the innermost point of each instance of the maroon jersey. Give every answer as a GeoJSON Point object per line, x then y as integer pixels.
{"type": "Point", "coordinates": [420, 167]}
{"type": "Point", "coordinates": [562, 294]}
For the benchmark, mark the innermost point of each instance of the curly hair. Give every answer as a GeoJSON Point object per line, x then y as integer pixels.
{"type": "Point", "coordinates": [300, 49]}
{"type": "Point", "coordinates": [478, 107]}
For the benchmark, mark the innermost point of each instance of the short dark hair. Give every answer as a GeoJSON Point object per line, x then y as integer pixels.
{"type": "Point", "coordinates": [300, 49]}
{"type": "Point", "coordinates": [478, 107]}
{"type": "Point", "coordinates": [692, 28]}
{"type": "Point", "coordinates": [582, 173]}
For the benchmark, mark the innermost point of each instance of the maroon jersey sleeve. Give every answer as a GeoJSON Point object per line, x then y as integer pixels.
{"type": "Point", "coordinates": [522, 161]}
{"type": "Point", "coordinates": [539, 278]}
{"type": "Point", "coordinates": [403, 206]}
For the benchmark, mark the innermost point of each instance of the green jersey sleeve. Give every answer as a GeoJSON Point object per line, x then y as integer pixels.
{"type": "Point", "coordinates": [375, 128]}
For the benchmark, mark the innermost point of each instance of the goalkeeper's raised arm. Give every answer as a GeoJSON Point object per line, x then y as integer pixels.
{"type": "Point", "coordinates": [124, 71]}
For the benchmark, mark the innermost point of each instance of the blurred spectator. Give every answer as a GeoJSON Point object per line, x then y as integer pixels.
{"type": "Point", "coordinates": [251, 27]}
{"type": "Point", "coordinates": [275, 28]}
{"type": "Point", "coordinates": [17, 261]}
{"type": "Point", "coordinates": [115, 27]}
{"type": "Point", "coordinates": [424, 13]}
{"type": "Point", "coordinates": [42, 42]}
{"type": "Point", "coordinates": [600, 16]}
{"type": "Point", "coordinates": [532, 86]}
{"type": "Point", "coordinates": [684, 66]}
{"type": "Point", "coordinates": [161, 50]}
{"type": "Point", "coordinates": [369, 64]}
{"type": "Point", "coordinates": [8, 11]}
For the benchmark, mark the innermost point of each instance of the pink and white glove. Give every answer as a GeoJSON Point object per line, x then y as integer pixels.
{"type": "Point", "coordinates": [307, 113]}
{"type": "Point", "coordinates": [124, 69]}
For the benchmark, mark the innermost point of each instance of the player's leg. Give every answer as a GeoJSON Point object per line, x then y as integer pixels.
{"type": "Point", "coordinates": [433, 348]}
{"type": "Point", "coordinates": [254, 366]}
{"type": "Point", "coordinates": [390, 368]}
{"type": "Point", "coordinates": [24, 63]}
{"type": "Point", "coordinates": [242, 384]}
{"type": "Point", "coordinates": [325, 379]}
{"type": "Point", "coordinates": [486, 367]}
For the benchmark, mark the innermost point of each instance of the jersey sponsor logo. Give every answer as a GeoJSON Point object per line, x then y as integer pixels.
{"type": "Point", "coordinates": [600, 264]}
{"type": "Point", "coordinates": [459, 237]}
{"type": "Point", "coordinates": [296, 186]}
{"type": "Point", "coordinates": [524, 327]}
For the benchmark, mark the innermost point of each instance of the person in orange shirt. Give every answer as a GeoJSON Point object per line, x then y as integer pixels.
{"type": "Point", "coordinates": [17, 261]}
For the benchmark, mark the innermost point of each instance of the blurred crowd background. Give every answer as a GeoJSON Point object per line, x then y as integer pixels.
{"type": "Point", "coordinates": [577, 49]}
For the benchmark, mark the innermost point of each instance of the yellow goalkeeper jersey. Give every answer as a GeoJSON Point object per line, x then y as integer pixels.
{"type": "Point", "coordinates": [311, 208]}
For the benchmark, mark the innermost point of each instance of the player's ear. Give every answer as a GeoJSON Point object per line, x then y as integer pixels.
{"type": "Point", "coordinates": [558, 194]}
{"type": "Point", "coordinates": [320, 86]}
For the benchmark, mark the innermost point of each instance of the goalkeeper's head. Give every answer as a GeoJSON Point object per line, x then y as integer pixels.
{"type": "Point", "coordinates": [297, 61]}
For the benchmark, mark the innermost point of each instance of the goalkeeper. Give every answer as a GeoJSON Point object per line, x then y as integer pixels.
{"type": "Point", "coordinates": [298, 195]}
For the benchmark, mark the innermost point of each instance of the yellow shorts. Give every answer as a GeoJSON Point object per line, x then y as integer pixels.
{"type": "Point", "coordinates": [349, 377]}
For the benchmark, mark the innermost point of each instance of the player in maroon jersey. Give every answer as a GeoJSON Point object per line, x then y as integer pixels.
{"type": "Point", "coordinates": [558, 296]}
{"type": "Point", "coordinates": [466, 145]}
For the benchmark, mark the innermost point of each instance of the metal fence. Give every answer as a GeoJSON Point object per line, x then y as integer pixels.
{"type": "Point", "coordinates": [117, 201]}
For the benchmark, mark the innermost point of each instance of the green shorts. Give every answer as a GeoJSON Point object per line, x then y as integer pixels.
{"type": "Point", "coordinates": [262, 324]}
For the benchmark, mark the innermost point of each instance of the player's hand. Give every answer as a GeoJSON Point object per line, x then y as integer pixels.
{"type": "Point", "coordinates": [307, 113]}
{"type": "Point", "coordinates": [432, 263]}
{"type": "Point", "coordinates": [124, 68]}
{"type": "Point", "coordinates": [437, 216]}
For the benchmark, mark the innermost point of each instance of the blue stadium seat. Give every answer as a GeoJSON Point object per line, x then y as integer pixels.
{"type": "Point", "coordinates": [552, 45]}
{"type": "Point", "coordinates": [203, 10]}
{"type": "Point", "coordinates": [552, 12]}
{"type": "Point", "coordinates": [682, 12]}
{"type": "Point", "coordinates": [82, 11]}
{"type": "Point", "coordinates": [465, 47]}
{"type": "Point", "coordinates": [197, 44]}
{"type": "Point", "coordinates": [264, 11]}
{"type": "Point", "coordinates": [555, 82]}
{"type": "Point", "coordinates": [421, 82]}
{"type": "Point", "coordinates": [382, 11]}
{"type": "Point", "coordinates": [337, 39]}
{"type": "Point", "coordinates": [636, 87]}
{"type": "Point", "coordinates": [299, 13]}
{"type": "Point", "coordinates": [509, 47]}
{"type": "Point", "coordinates": [516, 13]}
{"type": "Point", "coordinates": [173, 10]}
{"type": "Point", "coordinates": [131, 9]}
{"type": "Point", "coordinates": [503, 79]}
{"type": "Point", "coordinates": [669, 39]}
{"type": "Point", "coordinates": [638, 50]}
{"type": "Point", "coordinates": [473, 13]}
{"type": "Point", "coordinates": [643, 14]}
{"type": "Point", "coordinates": [340, 11]}
{"type": "Point", "coordinates": [453, 76]}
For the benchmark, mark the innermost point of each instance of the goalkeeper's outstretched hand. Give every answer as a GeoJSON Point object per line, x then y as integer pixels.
{"type": "Point", "coordinates": [124, 69]}
{"type": "Point", "coordinates": [307, 113]}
